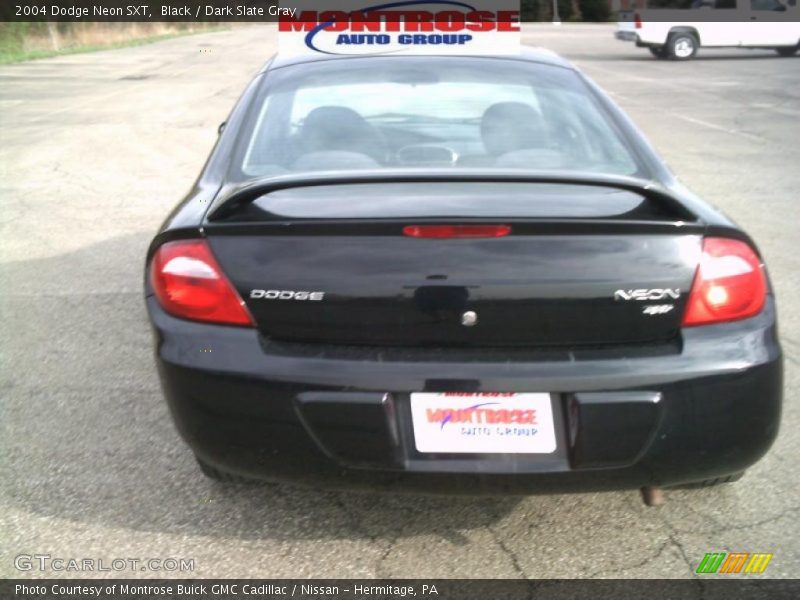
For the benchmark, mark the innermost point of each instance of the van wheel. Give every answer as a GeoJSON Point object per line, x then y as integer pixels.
{"type": "Point", "coordinates": [787, 50]}
{"type": "Point", "coordinates": [658, 51]}
{"type": "Point", "coordinates": [220, 475]}
{"type": "Point", "coordinates": [682, 45]}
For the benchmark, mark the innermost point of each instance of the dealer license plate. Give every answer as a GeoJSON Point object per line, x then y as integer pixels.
{"type": "Point", "coordinates": [483, 423]}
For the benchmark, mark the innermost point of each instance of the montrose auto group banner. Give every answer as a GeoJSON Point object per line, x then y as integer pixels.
{"type": "Point", "coordinates": [401, 27]}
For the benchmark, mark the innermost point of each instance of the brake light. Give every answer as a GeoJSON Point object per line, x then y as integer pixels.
{"type": "Point", "coordinates": [637, 21]}
{"type": "Point", "coordinates": [189, 283]}
{"type": "Point", "coordinates": [456, 231]}
{"type": "Point", "coordinates": [729, 284]}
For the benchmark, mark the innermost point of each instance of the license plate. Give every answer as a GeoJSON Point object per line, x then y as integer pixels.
{"type": "Point", "coordinates": [483, 423]}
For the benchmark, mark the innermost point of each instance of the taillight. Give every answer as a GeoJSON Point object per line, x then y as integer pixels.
{"type": "Point", "coordinates": [189, 283]}
{"type": "Point", "coordinates": [729, 284]}
{"type": "Point", "coordinates": [456, 231]}
{"type": "Point", "coordinates": [637, 21]}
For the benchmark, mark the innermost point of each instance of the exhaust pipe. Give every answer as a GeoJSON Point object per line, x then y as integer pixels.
{"type": "Point", "coordinates": [653, 496]}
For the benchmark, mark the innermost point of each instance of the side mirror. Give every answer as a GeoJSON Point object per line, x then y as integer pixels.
{"type": "Point", "coordinates": [221, 127]}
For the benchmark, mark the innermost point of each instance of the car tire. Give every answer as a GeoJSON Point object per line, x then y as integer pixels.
{"type": "Point", "coordinates": [713, 482]}
{"type": "Point", "coordinates": [787, 50]}
{"type": "Point", "coordinates": [658, 51]}
{"type": "Point", "coordinates": [220, 475]}
{"type": "Point", "coordinates": [681, 45]}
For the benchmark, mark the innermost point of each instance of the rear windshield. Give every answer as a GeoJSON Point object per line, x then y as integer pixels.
{"type": "Point", "coordinates": [423, 112]}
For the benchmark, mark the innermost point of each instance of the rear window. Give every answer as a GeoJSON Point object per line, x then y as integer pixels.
{"type": "Point", "coordinates": [423, 112]}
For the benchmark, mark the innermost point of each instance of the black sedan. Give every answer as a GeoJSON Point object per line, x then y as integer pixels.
{"type": "Point", "coordinates": [457, 274]}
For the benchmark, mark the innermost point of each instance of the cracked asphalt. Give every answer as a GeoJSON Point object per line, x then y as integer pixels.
{"type": "Point", "coordinates": [96, 148]}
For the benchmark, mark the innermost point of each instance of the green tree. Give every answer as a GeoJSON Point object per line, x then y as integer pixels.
{"type": "Point", "coordinates": [594, 10]}
{"type": "Point", "coordinates": [565, 9]}
{"type": "Point", "coordinates": [529, 10]}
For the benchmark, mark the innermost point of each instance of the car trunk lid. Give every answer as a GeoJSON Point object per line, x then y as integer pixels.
{"type": "Point", "coordinates": [578, 265]}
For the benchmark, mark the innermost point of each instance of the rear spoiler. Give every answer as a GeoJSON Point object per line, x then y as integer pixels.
{"type": "Point", "coordinates": [233, 196]}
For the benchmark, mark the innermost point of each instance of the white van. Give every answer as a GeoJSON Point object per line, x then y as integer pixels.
{"type": "Point", "coordinates": [678, 33]}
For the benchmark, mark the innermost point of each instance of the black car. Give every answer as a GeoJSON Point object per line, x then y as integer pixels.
{"type": "Point", "coordinates": [454, 273]}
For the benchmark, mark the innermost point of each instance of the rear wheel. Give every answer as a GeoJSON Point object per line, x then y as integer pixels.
{"type": "Point", "coordinates": [681, 45]}
{"type": "Point", "coordinates": [787, 50]}
{"type": "Point", "coordinates": [220, 475]}
{"type": "Point", "coordinates": [658, 51]}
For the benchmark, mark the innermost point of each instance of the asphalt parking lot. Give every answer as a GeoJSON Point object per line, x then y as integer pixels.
{"type": "Point", "coordinates": [95, 149]}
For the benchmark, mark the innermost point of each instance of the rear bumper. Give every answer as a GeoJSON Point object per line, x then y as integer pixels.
{"type": "Point", "coordinates": [626, 36]}
{"type": "Point", "coordinates": [341, 417]}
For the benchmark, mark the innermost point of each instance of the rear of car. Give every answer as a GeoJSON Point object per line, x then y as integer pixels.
{"type": "Point", "coordinates": [628, 21]}
{"type": "Point", "coordinates": [674, 34]}
{"type": "Point", "coordinates": [381, 280]}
